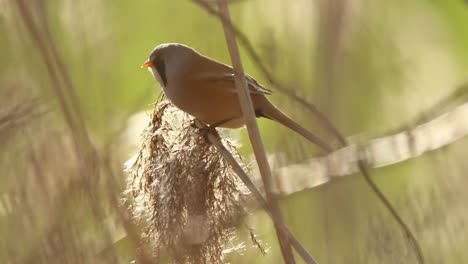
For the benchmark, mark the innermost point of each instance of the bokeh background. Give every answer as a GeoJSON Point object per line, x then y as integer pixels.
{"type": "Point", "coordinates": [374, 68]}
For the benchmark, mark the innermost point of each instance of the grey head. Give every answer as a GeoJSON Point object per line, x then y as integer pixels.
{"type": "Point", "coordinates": [170, 59]}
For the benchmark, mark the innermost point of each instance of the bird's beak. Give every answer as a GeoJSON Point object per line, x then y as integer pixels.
{"type": "Point", "coordinates": [147, 64]}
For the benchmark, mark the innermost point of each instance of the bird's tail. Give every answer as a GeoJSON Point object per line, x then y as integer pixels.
{"type": "Point", "coordinates": [270, 111]}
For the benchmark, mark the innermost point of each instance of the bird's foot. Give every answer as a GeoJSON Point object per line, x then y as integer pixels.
{"type": "Point", "coordinates": [205, 130]}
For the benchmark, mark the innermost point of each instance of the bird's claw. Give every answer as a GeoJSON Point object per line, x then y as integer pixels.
{"type": "Point", "coordinates": [205, 130]}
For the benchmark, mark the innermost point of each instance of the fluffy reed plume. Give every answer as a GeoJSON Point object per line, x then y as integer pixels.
{"type": "Point", "coordinates": [183, 193]}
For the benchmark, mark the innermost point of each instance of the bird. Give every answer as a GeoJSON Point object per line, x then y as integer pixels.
{"type": "Point", "coordinates": [205, 89]}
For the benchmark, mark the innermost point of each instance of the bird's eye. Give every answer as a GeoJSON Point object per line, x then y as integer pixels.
{"type": "Point", "coordinates": [160, 66]}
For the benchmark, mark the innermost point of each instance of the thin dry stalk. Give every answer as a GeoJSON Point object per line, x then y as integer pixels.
{"type": "Point", "coordinates": [214, 140]}
{"type": "Point", "coordinates": [88, 160]}
{"type": "Point", "coordinates": [281, 87]}
{"type": "Point", "coordinates": [332, 18]}
{"type": "Point", "coordinates": [331, 27]}
{"type": "Point", "coordinates": [61, 83]}
{"type": "Point", "coordinates": [252, 127]}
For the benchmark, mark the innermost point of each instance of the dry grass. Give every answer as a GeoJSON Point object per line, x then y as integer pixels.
{"type": "Point", "coordinates": [41, 182]}
{"type": "Point", "coordinates": [60, 191]}
{"type": "Point", "coordinates": [183, 193]}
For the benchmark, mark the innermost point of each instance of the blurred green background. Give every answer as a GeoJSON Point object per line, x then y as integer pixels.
{"type": "Point", "coordinates": [370, 66]}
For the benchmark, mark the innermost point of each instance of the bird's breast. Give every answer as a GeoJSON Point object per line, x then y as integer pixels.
{"type": "Point", "coordinates": [210, 102]}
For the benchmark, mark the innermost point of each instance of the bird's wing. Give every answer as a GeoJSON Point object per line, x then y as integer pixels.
{"type": "Point", "coordinates": [254, 86]}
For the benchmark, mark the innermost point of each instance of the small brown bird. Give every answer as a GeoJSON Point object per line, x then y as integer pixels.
{"type": "Point", "coordinates": [205, 89]}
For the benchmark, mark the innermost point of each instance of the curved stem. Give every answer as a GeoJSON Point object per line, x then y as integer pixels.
{"type": "Point", "coordinates": [325, 122]}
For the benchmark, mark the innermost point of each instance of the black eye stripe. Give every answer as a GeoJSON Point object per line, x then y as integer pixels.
{"type": "Point", "coordinates": [161, 68]}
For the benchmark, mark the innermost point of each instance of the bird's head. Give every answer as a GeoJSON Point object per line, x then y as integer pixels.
{"type": "Point", "coordinates": [168, 60]}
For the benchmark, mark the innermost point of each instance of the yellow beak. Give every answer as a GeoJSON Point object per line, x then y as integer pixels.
{"type": "Point", "coordinates": [147, 64]}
